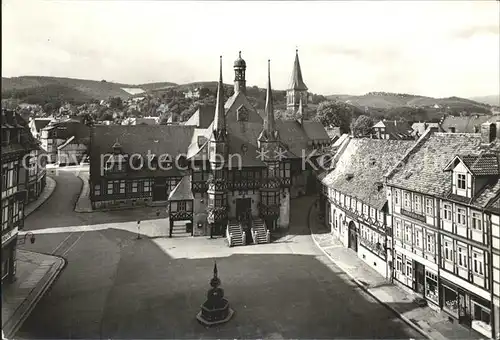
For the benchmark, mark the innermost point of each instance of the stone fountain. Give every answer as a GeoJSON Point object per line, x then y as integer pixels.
{"type": "Point", "coordinates": [215, 310]}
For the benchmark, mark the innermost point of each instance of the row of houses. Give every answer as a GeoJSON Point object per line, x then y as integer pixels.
{"type": "Point", "coordinates": [425, 214]}
{"type": "Point", "coordinates": [65, 141]}
{"type": "Point", "coordinates": [23, 180]}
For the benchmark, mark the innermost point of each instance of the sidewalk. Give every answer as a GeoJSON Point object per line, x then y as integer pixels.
{"type": "Point", "coordinates": [35, 274]}
{"type": "Point", "coordinates": [432, 324]}
{"type": "Point", "coordinates": [83, 204]}
{"type": "Point", "coordinates": [49, 188]}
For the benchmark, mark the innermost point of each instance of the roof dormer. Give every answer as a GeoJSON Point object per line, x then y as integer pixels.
{"type": "Point", "coordinates": [470, 173]}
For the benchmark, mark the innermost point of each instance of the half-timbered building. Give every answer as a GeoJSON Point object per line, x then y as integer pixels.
{"type": "Point", "coordinates": [440, 193]}
{"type": "Point", "coordinates": [232, 175]}
{"type": "Point", "coordinates": [356, 204]}
{"type": "Point", "coordinates": [17, 143]}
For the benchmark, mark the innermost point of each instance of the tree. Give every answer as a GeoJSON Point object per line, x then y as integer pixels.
{"type": "Point", "coordinates": [362, 126]}
{"type": "Point", "coordinates": [115, 103]}
{"type": "Point", "coordinates": [331, 113]}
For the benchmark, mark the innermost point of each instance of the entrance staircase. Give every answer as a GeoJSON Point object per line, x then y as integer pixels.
{"type": "Point", "coordinates": [260, 232]}
{"type": "Point", "coordinates": [179, 230]}
{"type": "Point", "coordinates": [234, 234]}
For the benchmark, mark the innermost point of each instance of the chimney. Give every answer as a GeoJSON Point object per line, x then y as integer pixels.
{"type": "Point", "coordinates": [488, 132]}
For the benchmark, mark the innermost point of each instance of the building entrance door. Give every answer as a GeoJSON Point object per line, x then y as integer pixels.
{"type": "Point", "coordinates": [353, 237]}
{"type": "Point", "coordinates": [243, 209]}
{"type": "Point", "coordinates": [419, 277]}
{"type": "Point", "coordinates": [160, 189]}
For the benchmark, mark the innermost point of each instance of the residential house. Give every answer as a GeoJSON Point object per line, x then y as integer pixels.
{"type": "Point", "coordinates": [420, 128]}
{"type": "Point", "coordinates": [466, 124]}
{"type": "Point", "coordinates": [356, 205]}
{"type": "Point", "coordinates": [192, 93]}
{"type": "Point", "coordinates": [37, 124]}
{"type": "Point", "coordinates": [17, 143]}
{"type": "Point", "coordinates": [63, 133]}
{"type": "Point", "coordinates": [182, 167]}
{"type": "Point", "coordinates": [392, 129]}
{"type": "Point", "coordinates": [439, 195]}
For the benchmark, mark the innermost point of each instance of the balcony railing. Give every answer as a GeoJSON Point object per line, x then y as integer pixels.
{"type": "Point", "coordinates": [413, 215]}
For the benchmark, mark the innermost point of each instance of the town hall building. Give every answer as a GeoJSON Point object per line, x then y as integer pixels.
{"type": "Point", "coordinates": [233, 176]}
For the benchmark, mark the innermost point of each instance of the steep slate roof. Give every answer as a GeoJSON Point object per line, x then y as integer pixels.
{"type": "Point", "coordinates": [296, 82]}
{"type": "Point", "coordinates": [315, 131]}
{"type": "Point", "coordinates": [139, 139]}
{"type": "Point", "coordinates": [422, 169]}
{"type": "Point", "coordinates": [466, 124]}
{"type": "Point", "coordinates": [182, 190]}
{"type": "Point", "coordinates": [367, 160]}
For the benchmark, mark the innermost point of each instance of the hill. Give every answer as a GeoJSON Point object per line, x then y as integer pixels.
{"type": "Point", "coordinates": [493, 100]}
{"type": "Point", "coordinates": [387, 100]}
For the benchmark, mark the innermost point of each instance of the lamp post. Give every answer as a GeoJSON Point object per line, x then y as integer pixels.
{"type": "Point", "coordinates": [139, 230]}
{"type": "Point", "coordinates": [22, 239]}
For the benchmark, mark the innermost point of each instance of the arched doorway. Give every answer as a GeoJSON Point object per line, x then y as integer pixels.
{"type": "Point", "coordinates": [353, 237]}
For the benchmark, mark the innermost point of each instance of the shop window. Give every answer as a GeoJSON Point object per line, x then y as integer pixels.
{"type": "Point", "coordinates": [409, 269]}
{"type": "Point", "coordinates": [431, 286]}
{"type": "Point", "coordinates": [450, 300]}
{"type": "Point", "coordinates": [481, 313]}
{"type": "Point", "coordinates": [447, 212]}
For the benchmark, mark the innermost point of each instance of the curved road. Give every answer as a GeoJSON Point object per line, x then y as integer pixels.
{"type": "Point", "coordinates": [118, 286]}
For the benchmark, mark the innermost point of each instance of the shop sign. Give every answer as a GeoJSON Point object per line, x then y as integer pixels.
{"type": "Point", "coordinates": [8, 235]}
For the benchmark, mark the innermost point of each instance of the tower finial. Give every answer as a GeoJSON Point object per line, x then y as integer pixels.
{"type": "Point", "coordinates": [220, 76]}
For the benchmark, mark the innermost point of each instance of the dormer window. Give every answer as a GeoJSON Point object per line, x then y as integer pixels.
{"type": "Point", "coordinates": [461, 181]}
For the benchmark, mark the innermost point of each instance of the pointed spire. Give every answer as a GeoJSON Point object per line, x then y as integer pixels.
{"type": "Point", "coordinates": [269, 125]}
{"type": "Point", "coordinates": [297, 83]}
{"type": "Point", "coordinates": [220, 117]}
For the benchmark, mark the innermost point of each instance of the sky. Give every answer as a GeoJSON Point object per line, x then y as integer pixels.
{"type": "Point", "coordinates": [424, 47]}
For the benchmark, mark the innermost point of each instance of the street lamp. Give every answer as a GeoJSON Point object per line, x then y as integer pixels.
{"type": "Point", "coordinates": [23, 238]}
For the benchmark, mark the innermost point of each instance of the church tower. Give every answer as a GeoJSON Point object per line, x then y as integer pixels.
{"type": "Point", "coordinates": [269, 149]}
{"type": "Point", "coordinates": [297, 90]}
{"type": "Point", "coordinates": [240, 67]}
{"type": "Point", "coordinates": [217, 155]}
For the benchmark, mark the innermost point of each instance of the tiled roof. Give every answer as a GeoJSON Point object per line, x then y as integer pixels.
{"type": "Point", "coordinates": [182, 190]}
{"type": "Point", "coordinates": [315, 131]}
{"type": "Point", "coordinates": [466, 124]}
{"type": "Point", "coordinates": [397, 130]}
{"type": "Point", "coordinates": [422, 168]}
{"type": "Point", "coordinates": [139, 139]}
{"type": "Point", "coordinates": [481, 165]}
{"type": "Point", "coordinates": [367, 160]}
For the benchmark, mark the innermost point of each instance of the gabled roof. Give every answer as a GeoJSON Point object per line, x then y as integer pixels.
{"type": "Point", "coordinates": [361, 167]}
{"type": "Point", "coordinates": [478, 165]}
{"type": "Point", "coordinates": [203, 117]}
{"type": "Point", "coordinates": [315, 131]}
{"type": "Point", "coordinates": [182, 190]}
{"type": "Point", "coordinates": [467, 124]}
{"type": "Point", "coordinates": [140, 139]}
{"type": "Point", "coordinates": [297, 83]}
{"type": "Point", "coordinates": [397, 130]}
{"type": "Point", "coordinates": [421, 170]}
{"type": "Point", "coordinates": [40, 123]}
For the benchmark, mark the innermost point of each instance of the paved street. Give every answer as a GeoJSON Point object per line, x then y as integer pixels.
{"type": "Point", "coordinates": [118, 286]}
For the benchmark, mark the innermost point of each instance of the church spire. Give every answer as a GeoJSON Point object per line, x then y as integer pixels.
{"type": "Point", "coordinates": [269, 124]}
{"type": "Point", "coordinates": [297, 83]}
{"type": "Point", "coordinates": [220, 116]}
